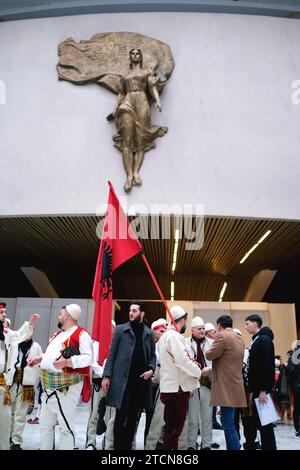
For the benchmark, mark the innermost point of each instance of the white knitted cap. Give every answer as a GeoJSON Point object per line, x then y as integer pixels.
{"type": "Point", "coordinates": [74, 311]}
{"type": "Point", "coordinates": [177, 312]}
{"type": "Point", "coordinates": [197, 321]}
{"type": "Point", "coordinates": [209, 326]}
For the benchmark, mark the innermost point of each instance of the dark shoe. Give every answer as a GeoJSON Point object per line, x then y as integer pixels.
{"type": "Point", "coordinates": [215, 445]}
{"type": "Point", "coordinates": [15, 446]}
{"type": "Point", "coordinates": [257, 445]}
{"type": "Point", "coordinates": [249, 447]}
{"type": "Point", "coordinates": [217, 426]}
{"type": "Point", "coordinates": [159, 446]}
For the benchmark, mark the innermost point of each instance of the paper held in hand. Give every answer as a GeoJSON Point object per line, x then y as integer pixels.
{"type": "Point", "coordinates": [266, 412]}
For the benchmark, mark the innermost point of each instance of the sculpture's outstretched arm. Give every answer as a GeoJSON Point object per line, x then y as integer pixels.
{"type": "Point", "coordinates": [156, 98]}
{"type": "Point", "coordinates": [153, 80]}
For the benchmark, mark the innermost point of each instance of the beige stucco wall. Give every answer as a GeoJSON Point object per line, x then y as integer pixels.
{"type": "Point", "coordinates": [280, 318]}
{"type": "Point", "coordinates": [282, 322]}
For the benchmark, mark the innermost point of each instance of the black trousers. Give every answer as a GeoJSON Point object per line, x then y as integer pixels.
{"type": "Point", "coordinates": [250, 431]}
{"type": "Point", "coordinates": [296, 412]}
{"type": "Point", "coordinates": [125, 428]}
{"type": "Point", "coordinates": [268, 441]}
{"type": "Point", "coordinates": [128, 416]}
{"type": "Point", "coordinates": [249, 424]}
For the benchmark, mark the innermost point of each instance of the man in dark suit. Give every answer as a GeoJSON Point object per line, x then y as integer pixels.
{"type": "Point", "coordinates": [126, 375]}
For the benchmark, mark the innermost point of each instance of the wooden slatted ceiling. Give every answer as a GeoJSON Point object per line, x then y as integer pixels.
{"type": "Point", "coordinates": [66, 249]}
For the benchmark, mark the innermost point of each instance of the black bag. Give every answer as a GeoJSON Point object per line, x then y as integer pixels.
{"type": "Point", "coordinates": [205, 381]}
{"type": "Point", "coordinates": [70, 351]}
{"type": "Point", "coordinates": [97, 382]}
{"type": "Point", "coordinates": [282, 388]}
{"type": "Point", "coordinates": [101, 426]}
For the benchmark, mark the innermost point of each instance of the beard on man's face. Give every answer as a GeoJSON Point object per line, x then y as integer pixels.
{"type": "Point", "coordinates": [137, 319]}
{"type": "Point", "coordinates": [182, 329]}
{"type": "Point", "coordinates": [60, 324]}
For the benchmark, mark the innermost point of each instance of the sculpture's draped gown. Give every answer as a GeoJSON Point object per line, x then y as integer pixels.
{"type": "Point", "coordinates": [132, 116]}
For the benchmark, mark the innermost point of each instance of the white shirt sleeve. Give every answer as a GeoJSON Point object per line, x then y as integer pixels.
{"type": "Point", "coordinates": [86, 352]}
{"type": "Point", "coordinates": [96, 368]}
{"type": "Point", "coordinates": [16, 337]}
{"type": "Point", "coordinates": [177, 348]}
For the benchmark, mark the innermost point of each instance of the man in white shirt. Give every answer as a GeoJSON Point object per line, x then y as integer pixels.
{"type": "Point", "coordinates": [210, 330]}
{"type": "Point", "coordinates": [200, 411]}
{"type": "Point", "coordinates": [179, 376]}
{"type": "Point", "coordinates": [210, 333]}
{"type": "Point", "coordinates": [7, 339]}
{"type": "Point", "coordinates": [21, 380]}
{"type": "Point", "coordinates": [159, 327]}
{"type": "Point", "coordinates": [65, 374]}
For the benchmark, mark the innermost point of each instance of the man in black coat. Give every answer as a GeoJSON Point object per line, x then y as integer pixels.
{"type": "Point", "coordinates": [294, 376]}
{"type": "Point", "coordinates": [131, 363]}
{"type": "Point", "coordinates": [261, 373]}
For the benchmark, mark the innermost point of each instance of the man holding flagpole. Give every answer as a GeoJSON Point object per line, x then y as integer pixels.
{"type": "Point", "coordinates": [118, 244]}
{"type": "Point", "coordinates": [126, 375]}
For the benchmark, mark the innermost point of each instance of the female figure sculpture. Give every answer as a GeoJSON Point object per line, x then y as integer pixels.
{"type": "Point", "coordinates": [132, 117]}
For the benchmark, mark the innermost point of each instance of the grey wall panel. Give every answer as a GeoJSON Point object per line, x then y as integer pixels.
{"type": "Point", "coordinates": [24, 309]}
{"type": "Point", "coordinates": [90, 315]}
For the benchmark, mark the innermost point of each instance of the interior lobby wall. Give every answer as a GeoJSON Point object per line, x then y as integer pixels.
{"type": "Point", "coordinates": [233, 134]}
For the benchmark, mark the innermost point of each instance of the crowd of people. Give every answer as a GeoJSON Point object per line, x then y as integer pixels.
{"type": "Point", "coordinates": [178, 381]}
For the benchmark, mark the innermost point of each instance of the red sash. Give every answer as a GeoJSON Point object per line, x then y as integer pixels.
{"type": "Point", "coordinates": [85, 371]}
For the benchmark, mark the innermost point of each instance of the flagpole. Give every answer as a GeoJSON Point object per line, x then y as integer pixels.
{"type": "Point", "coordinates": [158, 289]}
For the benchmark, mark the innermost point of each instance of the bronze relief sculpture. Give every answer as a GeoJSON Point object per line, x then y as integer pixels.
{"type": "Point", "coordinates": [136, 68]}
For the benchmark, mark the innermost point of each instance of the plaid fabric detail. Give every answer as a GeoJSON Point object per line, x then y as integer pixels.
{"type": "Point", "coordinates": [52, 380]}
{"type": "Point", "coordinates": [2, 381]}
{"type": "Point", "coordinates": [7, 394]}
{"type": "Point", "coordinates": [28, 394]}
{"type": "Point", "coordinates": [18, 376]}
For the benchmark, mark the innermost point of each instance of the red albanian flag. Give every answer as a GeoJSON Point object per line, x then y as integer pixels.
{"type": "Point", "coordinates": [118, 244]}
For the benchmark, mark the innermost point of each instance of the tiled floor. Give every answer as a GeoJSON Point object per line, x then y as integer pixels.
{"type": "Point", "coordinates": [284, 434]}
